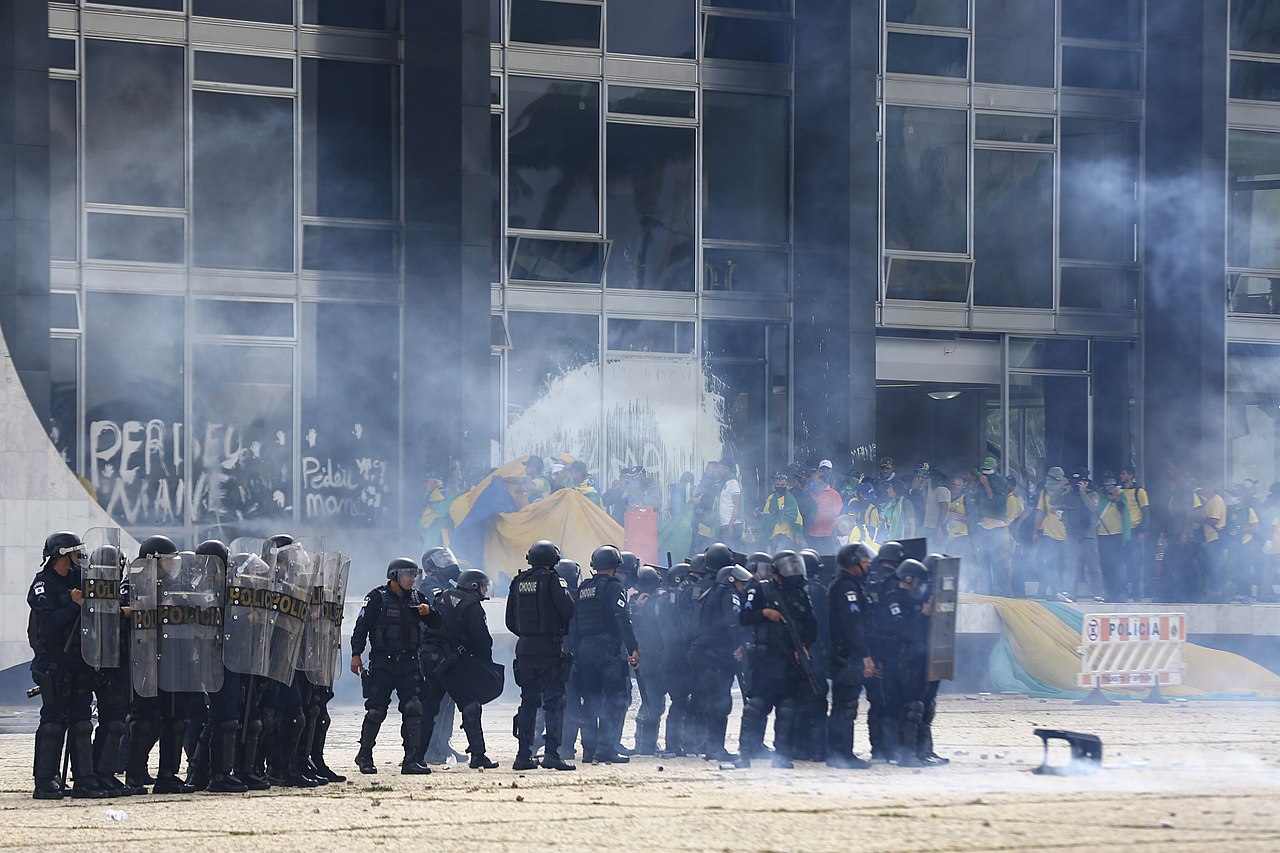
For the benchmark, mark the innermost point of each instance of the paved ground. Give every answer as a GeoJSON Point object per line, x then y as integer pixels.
{"type": "Point", "coordinates": [1185, 776]}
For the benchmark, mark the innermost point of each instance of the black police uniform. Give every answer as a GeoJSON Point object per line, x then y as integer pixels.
{"type": "Point", "coordinates": [463, 634]}
{"type": "Point", "coordinates": [811, 712]}
{"type": "Point", "coordinates": [882, 728]}
{"type": "Point", "coordinates": [776, 681]}
{"type": "Point", "coordinates": [435, 749]}
{"type": "Point", "coordinates": [646, 622]}
{"type": "Point", "coordinates": [392, 626]}
{"type": "Point", "coordinates": [716, 635]}
{"type": "Point", "coordinates": [675, 620]}
{"type": "Point", "coordinates": [847, 608]}
{"type": "Point", "coordinates": [603, 636]}
{"type": "Point", "coordinates": [906, 632]}
{"type": "Point", "coordinates": [64, 679]}
{"type": "Point", "coordinates": [539, 609]}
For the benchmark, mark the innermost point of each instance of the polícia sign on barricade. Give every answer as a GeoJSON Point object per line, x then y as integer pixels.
{"type": "Point", "coordinates": [1131, 650]}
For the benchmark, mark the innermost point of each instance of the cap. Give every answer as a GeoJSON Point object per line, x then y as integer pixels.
{"type": "Point", "coordinates": [781, 475]}
{"type": "Point", "coordinates": [989, 465]}
{"type": "Point", "coordinates": [825, 463]}
{"type": "Point", "coordinates": [922, 468]}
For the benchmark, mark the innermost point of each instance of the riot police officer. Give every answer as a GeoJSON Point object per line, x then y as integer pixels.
{"type": "Point", "coordinates": [903, 620]}
{"type": "Point", "coordinates": [781, 616]}
{"type": "Point", "coordinates": [391, 621]}
{"type": "Point", "coordinates": [456, 658]}
{"type": "Point", "coordinates": [440, 572]}
{"type": "Point", "coordinates": [571, 573]}
{"type": "Point", "coordinates": [924, 737]}
{"type": "Point", "coordinates": [850, 658]}
{"type": "Point", "coordinates": [714, 652]}
{"type": "Point", "coordinates": [675, 629]}
{"type": "Point", "coordinates": [882, 576]}
{"type": "Point", "coordinates": [605, 643]}
{"type": "Point", "coordinates": [60, 672]}
{"type": "Point", "coordinates": [646, 623]}
{"type": "Point", "coordinates": [539, 609]}
{"type": "Point", "coordinates": [811, 716]}
{"type": "Point", "coordinates": [111, 689]}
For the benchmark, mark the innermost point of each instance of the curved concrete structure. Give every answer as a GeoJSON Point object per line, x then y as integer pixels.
{"type": "Point", "coordinates": [38, 494]}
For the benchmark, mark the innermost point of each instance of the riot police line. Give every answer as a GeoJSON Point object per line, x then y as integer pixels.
{"type": "Point", "coordinates": [227, 655]}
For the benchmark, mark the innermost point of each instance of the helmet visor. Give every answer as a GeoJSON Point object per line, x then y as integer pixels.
{"type": "Point", "coordinates": [789, 566]}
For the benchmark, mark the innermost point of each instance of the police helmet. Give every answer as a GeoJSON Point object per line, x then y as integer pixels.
{"type": "Point", "coordinates": [157, 546]}
{"type": "Point", "coordinates": [442, 563]}
{"type": "Point", "coordinates": [107, 555]}
{"type": "Point", "coordinates": [648, 579]}
{"type": "Point", "coordinates": [476, 581]}
{"type": "Point", "coordinates": [760, 564]}
{"type": "Point", "coordinates": [606, 558]}
{"type": "Point", "coordinates": [698, 565]}
{"type": "Point", "coordinates": [891, 552]}
{"type": "Point", "coordinates": [214, 548]}
{"type": "Point", "coordinates": [854, 553]}
{"type": "Point", "coordinates": [570, 572]}
{"type": "Point", "coordinates": [402, 566]}
{"type": "Point", "coordinates": [630, 564]}
{"type": "Point", "coordinates": [543, 553]}
{"type": "Point", "coordinates": [63, 543]}
{"type": "Point", "coordinates": [812, 562]}
{"type": "Point", "coordinates": [788, 564]}
{"type": "Point", "coordinates": [280, 540]}
{"type": "Point", "coordinates": [912, 571]}
{"type": "Point", "coordinates": [677, 576]}
{"type": "Point", "coordinates": [718, 556]}
{"type": "Point", "coordinates": [729, 574]}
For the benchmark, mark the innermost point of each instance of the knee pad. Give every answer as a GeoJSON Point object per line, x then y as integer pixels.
{"type": "Point", "coordinates": [231, 726]}
{"type": "Point", "coordinates": [720, 706]}
{"type": "Point", "coordinates": [758, 705]}
{"type": "Point", "coordinates": [470, 711]}
{"type": "Point", "coordinates": [377, 714]}
{"type": "Point", "coordinates": [82, 728]}
{"type": "Point", "coordinates": [113, 728]}
{"type": "Point", "coordinates": [914, 711]}
{"type": "Point", "coordinates": [51, 730]}
{"type": "Point", "coordinates": [412, 708]}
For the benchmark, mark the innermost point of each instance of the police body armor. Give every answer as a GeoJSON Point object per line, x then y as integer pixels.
{"type": "Point", "coordinates": [268, 602]}
{"type": "Point", "coordinates": [536, 615]}
{"type": "Point", "coordinates": [485, 678]}
{"type": "Point", "coordinates": [101, 577]}
{"type": "Point", "coordinates": [189, 623]}
{"type": "Point", "coordinates": [324, 668]}
{"type": "Point", "coordinates": [594, 614]}
{"type": "Point", "coordinates": [397, 631]}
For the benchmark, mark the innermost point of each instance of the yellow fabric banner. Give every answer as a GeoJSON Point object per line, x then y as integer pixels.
{"type": "Point", "coordinates": [566, 518]}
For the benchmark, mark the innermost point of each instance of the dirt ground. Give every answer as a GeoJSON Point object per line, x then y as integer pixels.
{"type": "Point", "coordinates": [1183, 776]}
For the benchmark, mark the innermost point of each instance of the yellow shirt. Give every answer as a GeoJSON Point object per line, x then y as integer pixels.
{"type": "Point", "coordinates": [955, 520]}
{"type": "Point", "coordinates": [1110, 523]}
{"type": "Point", "coordinates": [1051, 526]}
{"type": "Point", "coordinates": [1013, 508]}
{"type": "Point", "coordinates": [1215, 516]}
{"type": "Point", "coordinates": [1136, 498]}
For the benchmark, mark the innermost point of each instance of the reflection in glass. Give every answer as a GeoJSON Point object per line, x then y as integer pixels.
{"type": "Point", "coordinates": [134, 123]}
{"type": "Point", "coordinates": [1014, 42]}
{"type": "Point", "coordinates": [244, 69]}
{"type": "Point", "coordinates": [62, 53]}
{"type": "Point", "coordinates": [1093, 68]}
{"type": "Point", "coordinates": [261, 11]}
{"type": "Point", "coordinates": [926, 175]}
{"type": "Point", "coordinates": [935, 13]}
{"type": "Point", "coordinates": [496, 9]}
{"type": "Point", "coordinates": [63, 311]}
{"type": "Point", "coordinates": [125, 237]}
{"type": "Point", "coordinates": [560, 24]}
{"type": "Point", "coordinates": [756, 5]}
{"type": "Point", "coordinates": [936, 56]}
{"type": "Point", "coordinates": [1104, 20]}
{"type": "Point", "coordinates": [350, 130]}
{"type": "Point", "coordinates": [64, 196]}
{"type": "Point", "coordinates": [746, 40]}
{"type": "Point", "coordinates": [242, 187]}
{"type": "Point", "coordinates": [650, 207]}
{"type": "Point", "coordinates": [1253, 398]}
{"type": "Point", "coordinates": [558, 261]}
{"type": "Point", "coordinates": [745, 268]}
{"type": "Point", "coordinates": [650, 335]}
{"type": "Point", "coordinates": [998, 127]}
{"type": "Point", "coordinates": [745, 189]}
{"type": "Point", "coordinates": [553, 154]}
{"type": "Point", "coordinates": [1054, 354]}
{"type": "Point", "coordinates": [1013, 228]}
{"type": "Point", "coordinates": [363, 15]}
{"type": "Point", "coordinates": [1254, 294]}
{"type": "Point", "coordinates": [644, 101]}
{"type": "Point", "coordinates": [1255, 26]}
{"type": "Point", "coordinates": [747, 363]}
{"type": "Point", "coordinates": [1255, 81]}
{"type": "Point", "coordinates": [928, 281]}
{"type": "Point", "coordinates": [243, 318]}
{"type": "Point", "coordinates": [1253, 199]}
{"type": "Point", "coordinates": [1099, 208]}
{"type": "Point", "coordinates": [652, 27]}
{"type": "Point", "coordinates": [1101, 288]}
{"type": "Point", "coordinates": [336, 248]}
{"type": "Point", "coordinates": [64, 429]}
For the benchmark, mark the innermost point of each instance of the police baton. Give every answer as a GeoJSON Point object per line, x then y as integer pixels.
{"type": "Point", "coordinates": [644, 694]}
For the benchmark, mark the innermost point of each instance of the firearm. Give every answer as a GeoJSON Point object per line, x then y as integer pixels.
{"type": "Point", "coordinates": [802, 654]}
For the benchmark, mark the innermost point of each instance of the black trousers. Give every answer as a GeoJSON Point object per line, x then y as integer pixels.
{"type": "Point", "coordinates": [601, 673]}
{"type": "Point", "coordinates": [542, 684]}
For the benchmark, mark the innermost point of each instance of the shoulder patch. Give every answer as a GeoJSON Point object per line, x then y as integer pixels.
{"type": "Point", "coordinates": [38, 589]}
{"type": "Point", "coordinates": [851, 596]}
{"type": "Point", "coordinates": [564, 583]}
{"type": "Point", "coordinates": [895, 609]}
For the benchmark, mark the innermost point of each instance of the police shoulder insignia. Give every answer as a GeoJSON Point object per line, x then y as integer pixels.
{"type": "Point", "coordinates": [895, 609]}
{"type": "Point", "coordinates": [622, 602]}
{"type": "Point", "coordinates": [851, 595]}
{"type": "Point", "coordinates": [38, 589]}
{"type": "Point", "coordinates": [564, 583]}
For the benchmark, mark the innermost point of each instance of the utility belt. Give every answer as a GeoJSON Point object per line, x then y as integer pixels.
{"type": "Point", "coordinates": [398, 656]}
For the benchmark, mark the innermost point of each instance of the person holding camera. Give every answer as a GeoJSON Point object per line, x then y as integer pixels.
{"type": "Point", "coordinates": [1081, 505]}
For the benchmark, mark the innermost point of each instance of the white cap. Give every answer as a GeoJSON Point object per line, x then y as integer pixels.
{"type": "Point", "coordinates": [825, 463]}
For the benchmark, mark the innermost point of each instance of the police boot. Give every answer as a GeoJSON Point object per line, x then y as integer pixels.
{"type": "Point", "coordinates": [142, 737]}
{"type": "Point", "coordinates": [249, 755]}
{"type": "Point", "coordinates": [284, 756]}
{"type": "Point", "coordinates": [647, 737]}
{"type": "Point", "coordinates": [368, 737]}
{"type": "Point", "coordinates": [168, 781]}
{"type": "Point", "coordinates": [81, 744]}
{"type": "Point", "coordinates": [909, 734]}
{"type": "Point", "coordinates": [317, 751]}
{"type": "Point", "coordinates": [49, 737]}
{"type": "Point", "coordinates": [784, 735]}
{"type": "Point", "coordinates": [475, 738]}
{"type": "Point", "coordinates": [222, 757]}
{"type": "Point", "coordinates": [715, 732]}
{"type": "Point", "coordinates": [751, 731]}
{"type": "Point", "coordinates": [198, 765]}
{"type": "Point", "coordinates": [521, 730]}
{"type": "Point", "coordinates": [302, 759]}
{"type": "Point", "coordinates": [106, 757]}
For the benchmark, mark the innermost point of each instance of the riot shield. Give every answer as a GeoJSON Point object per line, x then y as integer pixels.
{"type": "Point", "coordinates": [102, 573]}
{"type": "Point", "coordinates": [942, 619]}
{"type": "Point", "coordinates": [315, 631]}
{"type": "Point", "coordinates": [294, 577]}
{"type": "Point", "coordinates": [192, 587]}
{"type": "Point", "coordinates": [143, 606]}
{"type": "Point", "coordinates": [246, 626]}
{"type": "Point", "coordinates": [323, 669]}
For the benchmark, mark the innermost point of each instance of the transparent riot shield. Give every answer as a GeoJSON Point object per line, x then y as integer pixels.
{"type": "Point", "coordinates": [315, 631]}
{"type": "Point", "coordinates": [143, 606]}
{"type": "Point", "coordinates": [192, 588]}
{"type": "Point", "coordinates": [293, 577]}
{"type": "Point", "coordinates": [246, 624]}
{"type": "Point", "coordinates": [335, 567]}
{"type": "Point", "coordinates": [102, 573]}
{"type": "Point", "coordinates": [942, 619]}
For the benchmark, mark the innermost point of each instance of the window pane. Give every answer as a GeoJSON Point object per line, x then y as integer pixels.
{"type": "Point", "coordinates": [553, 153]}
{"type": "Point", "coordinates": [63, 406]}
{"type": "Point", "coordinates": [746, 187]}
{"type": "Point", "coordinates": [1107, 20]}
{"type": "Point", "coordinates": [643, 101]}
{"type": "Point", "coordinates": [134, 120]}
{"type": "Point", "coordinates": [937, 13]}
{"type": "Point", "coordinates": [1101, 288]}
{"type": "Point", "coordinates": [1011, 128]}
{"type": "Point", "coordinates": [937, 56]}
{"type": "Point", "coordinates": [162, 5]}
{"type": "Point", "coordinates": [247, 70]}
{"type": "Point", "coordinates": [1099, 208]}
{"type": "Point", "coordinates": [1255, 81]}
{"type": "Point", "coordinates": [1254, 294]}
{"type": "Point", "coordinates": [350, 126]}
{"type": "Point", "coordinates": [64, 203]}
{"type": "Point", "coordinates": [554, 366]}
{"type": "Point", "coordinates": [62, 54]}
{"type": "Point", "coordinates": [1013, 228]}
{"type": "Point", "coordinates": [333, 248]}
{"type": "Point", "coordinates": [63, 312]}
{"type": "Point", "coordinates": [133, 406]}
{"type": "Point", "coordinates": [560, 24]}
{"type": "Point", "coordinates": [746, 269]}
{"type": "Point", "coordinates": [651, 207]}
{"type": "Point", "coordinates": [1253, 184]}
{"type": "Point", "coordinates": [1089, 68]}
{"type": "Point", "coordinates": [652, 27]}
{"type": "Point", "coordinates": [242, 210]}
{"type": "Point", "coordinates": [238, 317]}
{"type": "Point", "coordinates": [1014, 42]}
{"type": "Point", "coordinates": [558, 261]}
{"type": "Point", "coordinates": [1255, 26]}
{"type": "Point", "coordinates": [242, 400]}
{"type": "Point", "coordinates": [350, 414]}
{"type": "Point", "coordinates": [929, 281]}
{"type": "Point", "coordinates": [747, 40]}
{"type": "Point", "coordinates": [363, 15]}
{"type": "Point", "coordinates": [495, 197]}
{"type": "Point", "coordinates": [496, 8]}
{"type": "Point", "coordinates": [926, 175]}
{"type": "Point", "coordinates": [650, 336]}
{"type": "Point", "coordinates": [262, 11]}
{"type": "Point", "coordinates": [1055, 354]}
{"type": "Point", "coordinates": [758, 5]}
{"type": "Point", "coordinates": [122, 237]}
